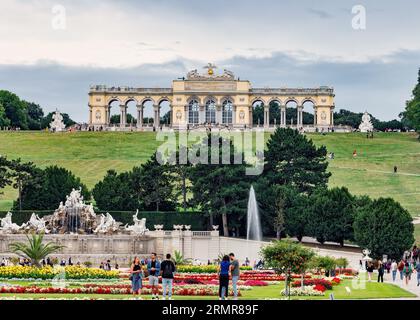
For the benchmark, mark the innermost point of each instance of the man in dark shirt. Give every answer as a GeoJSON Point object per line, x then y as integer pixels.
{"type": "Point", "coordinates": [153, 267]}
{"type": "Point", "coordinates": [168, 269]}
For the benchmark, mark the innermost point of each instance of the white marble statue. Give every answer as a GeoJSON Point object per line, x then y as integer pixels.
{"type": "Point", "coordinates": [139, 227]}
{"type": "Point", "coordinates": [158, 227]}
{"type": "Point", "coordinates": [36, 224]}
{"type": "Point", "coordinates": [57, 124]}
{"type": "Point", "coordinates": [366, 125]}
{"type": "Point", "coordinates": [7, 226]}
{"type": "Point", "coordinates": [107, 224]}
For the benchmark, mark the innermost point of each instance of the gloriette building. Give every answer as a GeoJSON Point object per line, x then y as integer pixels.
{"type": "Point", "coordinates": [211, 99]}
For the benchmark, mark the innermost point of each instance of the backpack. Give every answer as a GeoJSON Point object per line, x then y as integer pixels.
{"type": "Point", "coordinates": [167, 270]}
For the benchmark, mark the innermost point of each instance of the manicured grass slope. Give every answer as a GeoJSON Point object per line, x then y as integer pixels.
{"type": "Point", "coordinates": [89, 155]}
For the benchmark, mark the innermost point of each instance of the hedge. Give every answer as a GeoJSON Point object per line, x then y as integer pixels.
{"type": "Point", "coordinates": [196, 219]}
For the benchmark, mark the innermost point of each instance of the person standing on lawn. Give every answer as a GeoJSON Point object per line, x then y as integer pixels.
{"type": "Point", "coordinates": [369, 270]}
{"type": "Point", "coordinates": [136, 276]}
{"type": "Point", "coordinates": [153, 268]}
{"type": "Point", "coordinates": [223, 271]}
{"type": "Point", "coordinates": [394, 269]}
{"type": "Point", "coordinates": [168, 269]}
{"type": "Point", "coordinates": [235, 272]}
{"type": "Point", "coordinates": [381, 271]}
{"type": "Point", "coordinates": [401, 269]}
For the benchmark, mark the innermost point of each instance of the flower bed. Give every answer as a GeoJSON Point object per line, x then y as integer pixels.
{"type": "Point", "coordinates": [307, 291]}
{"type": "Point", "coordinates": [203, 269]}
{"type": "Point", "coordinates": [313, 282]}
{"type": "Point", "coordinates": [180, 291]}
{"type": "Point", "coordinates": [70, 272]}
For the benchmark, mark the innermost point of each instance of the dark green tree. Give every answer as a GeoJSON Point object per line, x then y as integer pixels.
{"type": "Point", "coordinates": [154, 185]}
{"type": "Point", "coordinates": [331, 215]}
{"type": "Point", "coordinates": [5, 176]}
{"type": "Point", "coordinates": [384, 227]}
{"type": "Point", "coordinates": [292, 159]}
{"type": "Point", "coordinates": [413, 107]}
{"type": "Point", "coordinates": [115, 192]}
{"type": "Point", "coordinates": [47, 188]}
{"type": "Point", "coordinates": [115, 119]}
{"type": "Point", "coordinates": [35, 115]}
{"type": "Point", "coordinates": [4, 121]}
{"type": "Point", "coordinates": [258, 114]}
{"type": "Point", "coordinates": [220, 188]}
{"type": "Point", "coordinates": [15, 109]}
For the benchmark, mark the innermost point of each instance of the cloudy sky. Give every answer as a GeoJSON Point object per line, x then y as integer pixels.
{"type": "Point", "coordinates": [51, 51]}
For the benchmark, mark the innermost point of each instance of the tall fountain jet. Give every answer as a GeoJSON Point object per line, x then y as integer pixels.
{"type": "Point", "coordinates": [253, 231]}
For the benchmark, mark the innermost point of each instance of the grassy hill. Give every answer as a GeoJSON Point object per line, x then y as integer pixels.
{"type": "Point", "coordinates": [89, 155]}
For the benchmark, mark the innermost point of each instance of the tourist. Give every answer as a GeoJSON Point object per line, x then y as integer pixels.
{"type": "Point", "coordinates": [381, 271]}
{"type": "Point", "coordinates": [136, 276]}
{"type": "Point", "coordinates": [168, 269]}
{"type": "Point", "coordinates": [395, 169]}
{"type": "Point", "coordinates": [117, 266]}
{"type": "Point", "coordinates": [70, 262]}
{"type": "Point", "coordinates": [153, 267]}
{"type": "Point", "coordinates": [63, 263]}
{"type": "Point", "coordinates": [247, 262]}
{"type": "Point", "coordinates": [394, 269]}
{"type": "Point", "coordinates": [235, 272]}
{"type": "Point", "coordinates": [369, 270]}
{"type": "Point", "coordinates": [401, 269]}
{"type": "Point", "coordinates": [418, 273]}
{"type": "Point", "coordinates": [407, 272]}
{"type": "Point", "coordinates": [354, 153]}
{"type": "Point", "coordinates": [101, 266]}
{"type": "Point", "coordinates": [223, 271]}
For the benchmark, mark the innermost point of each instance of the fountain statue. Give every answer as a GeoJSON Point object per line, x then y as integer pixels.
{"type": "Point", "coordinates": [35, 224]}
{"type": "Point", "coordinates": [7, 226]}
{"type": "Point", "coordinates": [107, 225]}
{"type": "Point", "coordinates": [253, 218]}
{"type": "Point", "coordinates": [139, 227]}
{"type": "Point", "coordinates": [74, 216]}
{"type": "Point", "coordinates": [366, 125]}
{"type": "Point", "coordinates": [57, 125]}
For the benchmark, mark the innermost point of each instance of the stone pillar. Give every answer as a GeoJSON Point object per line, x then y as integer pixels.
{"type": "Point", "coordinates": [251, 117]}
{"type": "Point", "coordinates": [156, 120]}
{"type": "Point", "coordinates": [315, 117]}
{"type": "Point", "coordinates": [266, 116]}
{"type": "Point", "coordinates": [219, 114]}
{"type": "Point", "coordinates": [90, 114]}
{"type": "Point", "coordinates": [332, 117]}
{"type": "Point", "coordinates": [202, 114]}
{"type": "Point", "coordinates": [187, 237]}
{"type": "Point", "coordinates": [187, 115]}
{"type": "Point", "coordinates": [139, 116]}
{"type": "Point", "coordinates": [300, 116]}
{"type": "Point", "coordinates": [283, 116]}
{"type": "Point", "coordinates": [123, 115]}
{"type": "Point", "coordinates": [233, 115]}
{"type": "Point", "coordinates": [108, 115]}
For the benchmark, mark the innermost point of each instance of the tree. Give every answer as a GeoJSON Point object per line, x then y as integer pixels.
{"type": "Point", "coordinates": [286, 257]}
{"type": "Point", "coordinates": [5, 178]}
{"type": "Point", "coordinates": [21, 173]}
{"type": "Point", "coordinates": [413, 107]}
{"type": "Point", "coordinates": [180, 168]}
{"type": "Point", "coordinates": [4, 121]}
{"type": "Point", "coordinates": [35, 250]}
{"type": "Point", "coordinates": [35, 115]}
{"type": "Point", "coordinates": [220, 188]}
{"type": "Point", "coordinates": [47, 188]}
{"type": "Point", "coordinates": [115, 192]}
{"type": "Point", "coordinates": [294, 160]}
{"type": "Point", "coordinates": [331, 215]}
{"type": "Point", "coordinates": [384, 227]}
{"type": "Point", "coordinates": [115, 119]}
{"type": "Point", "coordinates": [325, 263]}
{"type": "Point", "coordinates": [15, 109]}
{"type": "Point", "coordinates": [154, 185]}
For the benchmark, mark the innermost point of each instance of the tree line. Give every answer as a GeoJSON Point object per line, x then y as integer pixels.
{"type": "Point", "coordinates": [17, 113]}
{"type": "Point", "coordinates": [292, 193]}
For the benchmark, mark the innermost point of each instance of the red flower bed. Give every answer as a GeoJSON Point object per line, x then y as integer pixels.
{"type": "Point", "coordinates": [313, 282]}
{"type": "Point", "coordinates": [255, 283]}
{"type": "Point", "coordinates": [320, 287]}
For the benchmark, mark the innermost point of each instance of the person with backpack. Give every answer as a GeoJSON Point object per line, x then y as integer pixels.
{"type": "Point", "coordinates": [153, 268]}
{"type": "Point", "coordinates": [400, 269]}
{"type": "Point", "coordinates": [407, 272]}
{"type": "Point", "coordinates": [168, 269]}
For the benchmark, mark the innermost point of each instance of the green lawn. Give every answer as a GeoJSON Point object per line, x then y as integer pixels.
{"type": "Point", "coordinates": [372, 290]}
{"type": "Point", "coordinates": [90, 154]}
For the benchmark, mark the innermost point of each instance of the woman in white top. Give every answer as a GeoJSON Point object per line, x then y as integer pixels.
{"type": "Point", "coordinates": [394, 269]}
